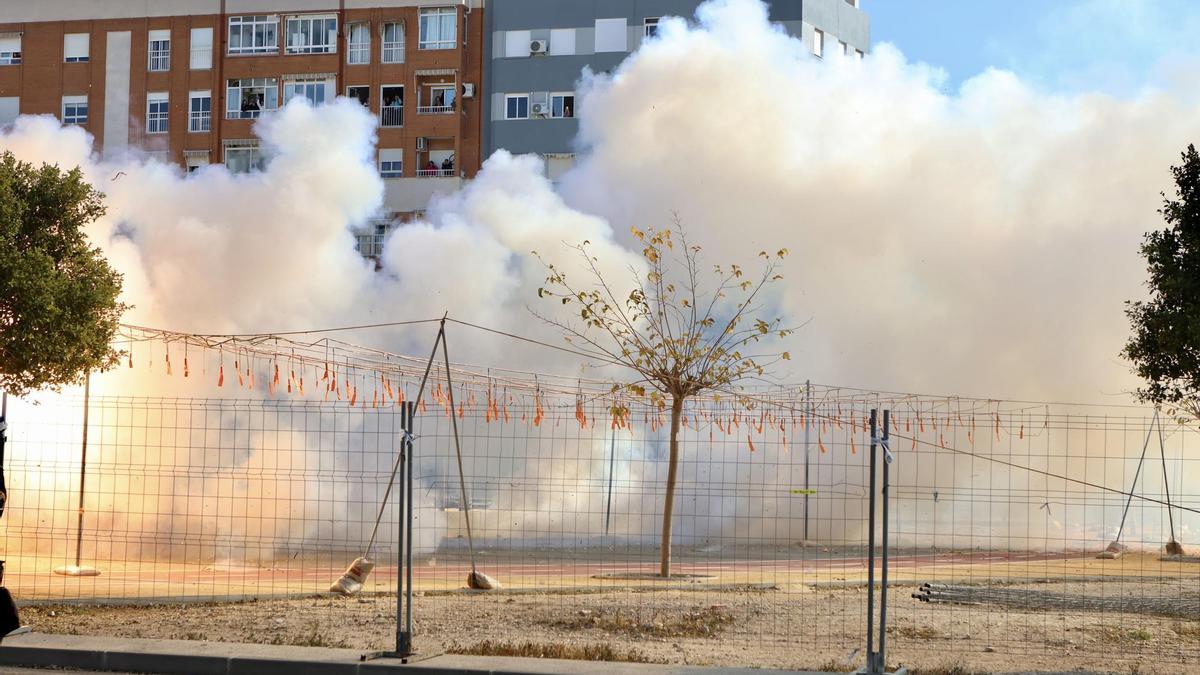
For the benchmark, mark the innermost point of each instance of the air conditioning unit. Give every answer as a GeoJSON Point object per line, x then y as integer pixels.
{"type": "Point", "coordinates": [537, 46]}
{"type": "Point", "coordinates": [539, 109]}
{"type": "Point", "coordinates": [422, 143]}
{"type": "Point", "coordinates": [468, 90]}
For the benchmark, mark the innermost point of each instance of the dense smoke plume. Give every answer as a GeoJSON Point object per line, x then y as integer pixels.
{"type": "Point", "coordinates": [979, 242]}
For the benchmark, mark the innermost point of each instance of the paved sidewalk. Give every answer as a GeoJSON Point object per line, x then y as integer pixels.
{"type": "Point", "coordinates": [225, 658]}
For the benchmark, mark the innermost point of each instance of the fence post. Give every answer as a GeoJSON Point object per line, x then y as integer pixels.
{"type": "Point", "coordinates": [877, 660]}
{"type": "Point", "coordinates": [808, 421]}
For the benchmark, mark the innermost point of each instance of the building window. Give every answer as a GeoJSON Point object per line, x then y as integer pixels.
{"type": "Point", "coordinates": [359, 39]}
{"type": "Point", "coordinates": [201, 44]}
{"type": "Point", "coordinates": [361, 94]}
{"type": "Point", "coordinates": [516, 107]}
{"type": "Point", "coordinates": [311, 35]}
{"type": "Point", "coordinates": [249, 97]}
{"type": "Point", "coordinates": [818, 42]}
{"type": "Point", "coordinates": [10, 50]}
{"type": "Point", "coordinates": [253, 34]}
{"type": "Point", "coordinates": [74, 110]}
{"type": "Point", "coordinates": [195, 160]}
{"type": "Point", "coordinates": [438, 27]}
{"type": "Point", "coordinates": [562, 105]}
{"type": "Point", "coordinates": [200, 111]}
{"type": "Point", "coordinates": [244, 157]}
{"type": "Point", "coordinates": [441, 100]}
{"type": "Point", "coordinates": [156, 113]}
{"type": "Point", "coordinates": [391, 163]}
{"type": "Point", "coordinates": [10, 108]}
{"type": "Point", "coordinates": [393, 43]}
{"type": "Point", "coordinates": [312, 89]}
{"type": "Point", "coordinates": [75, 47]}
{"type": "Point", "coordinates": [651, 26]}
{"type": "Point", "coordinates": [392, 110]}
{"type": "Point", "coordinates": [160, 50]}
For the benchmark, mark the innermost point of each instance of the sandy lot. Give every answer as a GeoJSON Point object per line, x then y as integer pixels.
{"type": "Point", "coordinates": [788, 627]}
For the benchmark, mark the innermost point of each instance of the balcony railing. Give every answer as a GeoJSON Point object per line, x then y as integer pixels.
{"type": "Point", "coordinates": [370, 245]}
{"type": "Point", "coordinates": [435, 173]}
{"type": "Point", "coordinates": [392, 116]}
{"type": "Point", "coordinates": [435, 109]}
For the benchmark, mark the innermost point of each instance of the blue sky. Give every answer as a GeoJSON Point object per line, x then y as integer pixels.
{"type": "Point", "coordinates": [1116, 46]}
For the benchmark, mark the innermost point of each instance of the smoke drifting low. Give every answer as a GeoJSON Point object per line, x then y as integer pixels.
{"type": "Point", "coordinates": [981, 242]}
{"type": "Point", "coordinates": [978, 242]}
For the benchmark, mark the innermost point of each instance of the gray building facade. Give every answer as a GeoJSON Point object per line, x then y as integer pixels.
{"type": "Point", "coordinates": [535, 51]}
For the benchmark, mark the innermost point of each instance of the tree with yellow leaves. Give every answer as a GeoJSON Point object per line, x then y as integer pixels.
{"type": "Point", "coordinates": [679, 337]}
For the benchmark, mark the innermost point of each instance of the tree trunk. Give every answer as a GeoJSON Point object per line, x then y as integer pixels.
{"type": "Point", "coordinates": [676, 415]}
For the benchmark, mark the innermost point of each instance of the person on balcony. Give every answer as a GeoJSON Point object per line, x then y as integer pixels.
{"type": "Point", "coordinates": [431, 168]}
{"type": "Point", "coordinates": [447, 166]}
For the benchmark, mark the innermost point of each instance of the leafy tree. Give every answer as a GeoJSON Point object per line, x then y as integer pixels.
{"type": "Point", "coordinates": [58, 295]}
{"type": "Point", "coordinates": [681, 339]}
{"type": "Point", "coordinates": [1165, 346]}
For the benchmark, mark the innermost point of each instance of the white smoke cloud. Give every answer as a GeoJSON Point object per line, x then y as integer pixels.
{"type": "Point", "coordinates": [979, 242]}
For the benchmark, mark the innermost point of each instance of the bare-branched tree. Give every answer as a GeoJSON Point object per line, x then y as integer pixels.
{"type": "Point", "coordinates": [679, 337]}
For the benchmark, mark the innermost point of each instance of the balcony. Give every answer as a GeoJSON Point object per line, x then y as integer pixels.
{"type": "Point", "coordinates": [435, 109]}
{"type": "Point", "coordinates": [392, 116]}
{"type": "Point", "coordinates": [435, 173]}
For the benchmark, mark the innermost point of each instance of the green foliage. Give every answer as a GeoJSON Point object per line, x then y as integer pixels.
{"type": "Point", "coordinates": [58, 295]}
{"type": "Point", "coordinates": [1165, 346]}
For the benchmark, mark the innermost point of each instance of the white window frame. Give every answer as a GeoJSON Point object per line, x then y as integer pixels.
{"type": "Point", "coordinates": [257, 161]}
{"type": "Point", "coordinates": [562, 95]}
{"type": "Point", "coordinates": [10, 50]}
{"type": "Point", "coordinates": [199, 121]}
{"type": "Point", "coordinates": [351, 87]}
{"type": "Point", "coordinates": [650, 26]}
{"type": "Point", "coordinates": [75, 104]}
{"type": "Point", "coordinates": [392, 167]}
{"type": "Point", "coordinates": [438, 15]}
{"type": "Point", "coordinates": [302, 86]}
{"type": "Point", "coordinates": [201, 58]}
{"type": "Point", "coordinates": [294, 27]}
{"type": "Point", "coordinates": [358, 52]}
{"type": "Point", "coordinates": [249, 24]}
{"type": "Point", "coordinates": [392, 51]}
{"type": "Point", "coordinates": [75, 55]}
{"type": "Point", "coordinates": [384, 107]}
{"type": "Point", "coordinates": [158, 111]}
{"type": "Point", "coordinates": [158, 52]}
{"type": "Point", "coordinates": [268, 85]}
{"type": "Point", "coordinates": [432, 108]}
{"type": "Point", "coordinates": [818, 45]}
{"type": "Point", "coordinates": [510, 97]}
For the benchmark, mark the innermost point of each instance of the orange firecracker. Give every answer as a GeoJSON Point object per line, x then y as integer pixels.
{"type": "Point", "coordinates": [221, 376]}
{"type": "Point", "coordinates": [751, 442]}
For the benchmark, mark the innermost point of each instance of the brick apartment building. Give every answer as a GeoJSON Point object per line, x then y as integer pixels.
{"type": "Point", "coordinates": [186, 79]}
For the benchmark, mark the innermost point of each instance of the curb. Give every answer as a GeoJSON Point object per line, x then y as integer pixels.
{"type": "Point", "coordinates": [183, 657]}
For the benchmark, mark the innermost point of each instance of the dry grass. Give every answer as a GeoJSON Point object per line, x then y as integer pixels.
{"type": "Point", "coordinates": [536, 650]}
{"type": "Point", "coordinates": [914, 632]}
{"type": "Point", "coordinates": [699, 622]}
{"type": "Point", "coordinates": [1189, 630]}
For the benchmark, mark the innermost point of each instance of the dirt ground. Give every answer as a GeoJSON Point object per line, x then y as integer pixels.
{"type": "Point", "coordinates": [815, 628]}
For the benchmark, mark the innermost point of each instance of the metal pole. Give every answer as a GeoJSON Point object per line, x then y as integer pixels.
{"type": "Point", "coordinates": [401, 494]}
{"type": "Point", "coordinates": [883, 593]}
{"type": "Point", "coordinates": [458, 451]}
{"type": "Point", "coordinates": [1136, 473]}
{"type": "Point", "coordinates": [3, 438]}
{"type": "Point", "coordinates": [871, 662]}
{"type": "Point", "coordinates": [408, 570]}
{"type": "Point", "coordinates": [612, 460]}
{"type": "Point", "coordinates": [1162, 452]}
{"type": "Point", "coordinates": [808, 422]}
{"type": "Point", "coordinates": [87, 385]}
